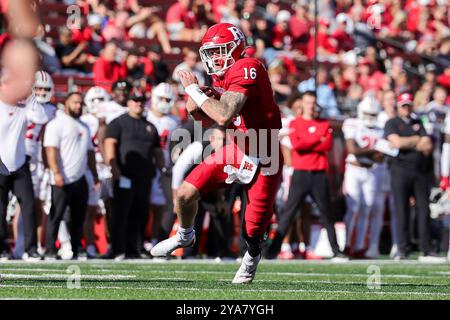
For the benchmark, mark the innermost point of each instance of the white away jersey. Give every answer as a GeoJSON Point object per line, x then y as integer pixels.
{"type": "Point", "coordinates": [93, 124]}
{"type": "Point", "coordinates": [13, 123]}
{"type": "Point", "coordinates": [364, 137]}
{"type": "Point", "coordinates": [34, 130]}
{"type": "Point", "coordinates": [283, 135]}
{"type": "Point", "coordinates": [165, 126]}
{"type": "Point", "coordinates": [110, 110]}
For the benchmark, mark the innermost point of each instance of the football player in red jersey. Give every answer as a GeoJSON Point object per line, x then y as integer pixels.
{"type": "Point", "coordinates": [247, 111]}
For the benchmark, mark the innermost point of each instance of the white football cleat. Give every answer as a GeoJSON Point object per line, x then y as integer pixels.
{"type": "Point", "coordinates": [166, 247]}
{"type": "Point", "coordinates": [394, 251]}
{"type": "Point", "coordinates": [247, 270]}
{"type": "Point", "coordinates": [432, 259]}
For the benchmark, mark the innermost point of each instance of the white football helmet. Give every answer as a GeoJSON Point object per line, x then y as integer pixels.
{"type": "Point", "coordinates": [43, 87]}
{"type": "Point", "coordinates": [94, 96]}
{"type": "Point", "coordinates": [368, 110]}
{"type": "Point", "coordinates": [163, 98]}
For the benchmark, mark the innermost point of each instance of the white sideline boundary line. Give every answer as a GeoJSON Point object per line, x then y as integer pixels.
{"type": "Point", "coordinates": [225, 261]}
{"type": "Point", "coordinates": [12, 276]}
{"type": "Point", "coordinates": [295, 274]}
{"type": "Point", "coordinates": [240, 290]}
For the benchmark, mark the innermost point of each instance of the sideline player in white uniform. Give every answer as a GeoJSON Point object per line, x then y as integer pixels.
{"type": "Point", "coordinates": [363, 175]}
{"type": "Point", "coordinates": [94, 97]}
{"type": "Point", "coordinates": [162, 102]}
{"type": "Point", "coordinates": [43, 91]}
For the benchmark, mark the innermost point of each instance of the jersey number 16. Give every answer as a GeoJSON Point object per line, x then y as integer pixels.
{"type": "Point", "coordinates": [252, 73]}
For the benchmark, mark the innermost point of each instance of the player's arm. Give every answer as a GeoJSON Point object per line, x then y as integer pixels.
{"type": "Point", "coordinates": [353, 148]}
{"type": "Point", "coordinates": [403, 143]}
{"type": "Point", "coordinates": [110, 157]}
{"type": "Point", "coordinates": [52, 159]}
{"type": "Point", "coordinates": [223, 111]}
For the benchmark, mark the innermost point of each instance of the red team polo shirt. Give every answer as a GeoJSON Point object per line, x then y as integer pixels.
{"type": "Point", "coordinates": [308, 151]}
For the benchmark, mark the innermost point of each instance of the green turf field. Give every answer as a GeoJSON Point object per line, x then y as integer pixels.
{"type": "Point", "coordinates": [200, 279]}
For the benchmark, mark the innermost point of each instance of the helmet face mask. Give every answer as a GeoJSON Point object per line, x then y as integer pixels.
{"type": "Point", "coordinates": [43, 88]}
{"type": "Point", "coordinates": [222, 45]}
{"type": "Point", "coordinates": [368, 110]}
{"type": "Point", "coordinates": [94, 97]}
{"type": "Point", "coordinates": [163, 98]}
{"type": "Point", "coordinates": [217, 58]}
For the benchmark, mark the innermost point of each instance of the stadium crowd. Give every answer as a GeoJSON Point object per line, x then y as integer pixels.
{"type": "Point", "coordinates": [379, 63]}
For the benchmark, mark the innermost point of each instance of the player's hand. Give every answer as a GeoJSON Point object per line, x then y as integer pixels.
{"type": "Point", "coordinates": [444, 184]}
{"type": "Point", "coordinates": [59, 180]}
{"type": "Point", "coordinates": [187, 78]}
{"type": "Point", "coordinates": [211, 92]}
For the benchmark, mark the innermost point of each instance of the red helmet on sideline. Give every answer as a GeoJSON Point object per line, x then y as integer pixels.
{"type": "Point", "coordinates": [222, 45]}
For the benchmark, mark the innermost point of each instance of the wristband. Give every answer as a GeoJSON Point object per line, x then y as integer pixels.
{"type": "Point", "coordinates": [194, 91]}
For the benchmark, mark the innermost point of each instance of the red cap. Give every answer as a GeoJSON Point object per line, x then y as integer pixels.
{"type": "Point", "coordinates": [324, 22]}
{"type": "Point", "coordinates": [404, 98]}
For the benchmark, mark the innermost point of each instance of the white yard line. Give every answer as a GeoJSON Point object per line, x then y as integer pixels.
{"type": "Point", "coordinates": [239, 290]}
{"type": "Point", "coordinates": [226, 261]}
{"type": "Point", "coordinates": [12, 276]}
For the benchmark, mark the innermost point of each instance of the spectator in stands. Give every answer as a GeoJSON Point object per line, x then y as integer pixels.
{"type": "Point", "coordinates": [341, 35]}
{"type": "Point", "coordinates": [278, 77]}
{"type": "Point", "coordinates": [261, 35]}
{"type": "Point", "coordinates": [272, 10]}
{"type": "Point", "coordinates": [109, 68]}
{"type": "Point", "coordinates": [300, 25]}
{"type": "Point", "coordinates": [227, 13]}
{"type": "Point", "coordinates": [182, 23]}
{"type": "Point", "coordinates": [369, 77]}
{"type": "Point", "coordinates": [422, 98]}
{"type": "Point", "coordinates": [190, 63]}
{"type": "Point", "coordinates": [282, 38]}
{"type": "Point", "coordinates": [137, 70]}
{"type": "Point", "coordinates": [156, 67]}
{"type": "Point", "coordinates": [115, 28]}
{"type": "Point", "coordinates": [325, 95]}
{"type": "Point", "coordinates": [326, 45]}
{"type": "Point", "coordinates": [439, 102]}
{"type": "Point", "coordinates": [73, 56]}
{"type": "Point", "coordinates": [203, 12]}
{"type": "Point", "coordinates": [351, 100]}
{"type": "Point", "coordinates": [50, 60]}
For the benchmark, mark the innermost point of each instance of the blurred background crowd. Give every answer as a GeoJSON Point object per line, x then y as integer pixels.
{"type": "Point", "coordinates": [376, 48]}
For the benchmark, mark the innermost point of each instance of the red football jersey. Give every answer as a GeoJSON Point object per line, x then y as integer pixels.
{"type": "Point", "coordinates": [249, 76]}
